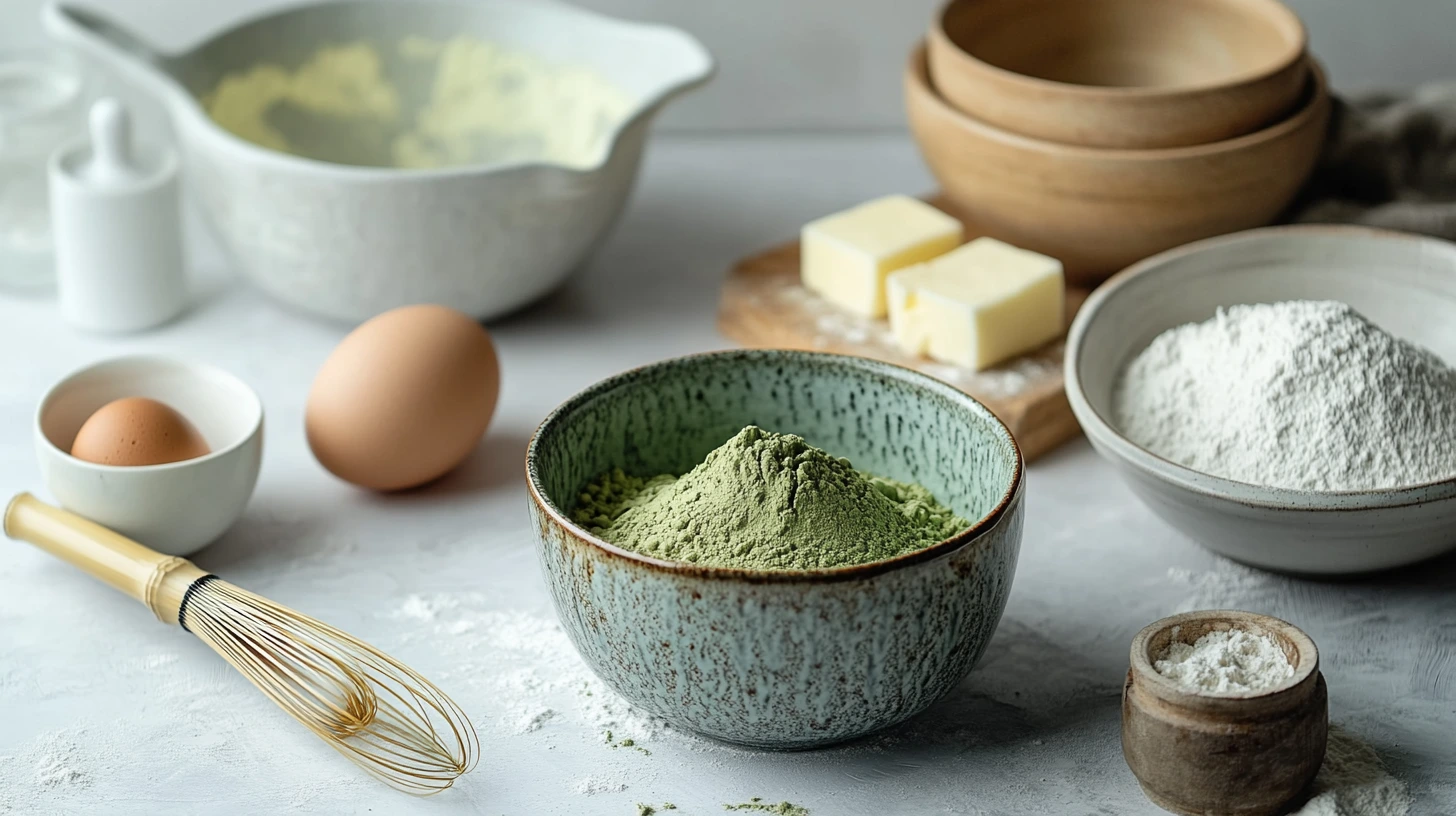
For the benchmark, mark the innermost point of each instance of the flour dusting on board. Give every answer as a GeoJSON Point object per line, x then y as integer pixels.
{"type": "Point", "coordinates": [836, 327]}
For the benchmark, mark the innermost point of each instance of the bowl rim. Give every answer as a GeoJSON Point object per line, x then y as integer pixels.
{"type": "Point", "coordinates": [979, 527]}
{"type": "Point", "coordinates": [1315, 103]}
{"type": "Point", "coordinates": [255, 427]}
{"type": "Point", "coordinates": [1113, 444]}
{"type": "Point", "coordinates": [1269, 12]}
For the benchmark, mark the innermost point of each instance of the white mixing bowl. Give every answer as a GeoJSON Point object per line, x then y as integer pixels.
{"type": "Point", "coordinates": [348, 242]}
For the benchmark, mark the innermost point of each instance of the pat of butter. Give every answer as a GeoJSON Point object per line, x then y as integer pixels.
{"type": "Point", "coordinates": [845, 257]}
{"type": "Point", "coordinates": [979, 305]}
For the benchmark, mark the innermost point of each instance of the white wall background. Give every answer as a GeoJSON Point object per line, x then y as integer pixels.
{"type": "Point", "coordinates": [835, 64]}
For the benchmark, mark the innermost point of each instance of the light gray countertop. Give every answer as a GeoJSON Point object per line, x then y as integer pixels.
{"type": "Point", "coordinates": [103, 710]}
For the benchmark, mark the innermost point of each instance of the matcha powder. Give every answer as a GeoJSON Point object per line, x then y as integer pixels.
{"type": "Point", "coordinates": [766, 501]}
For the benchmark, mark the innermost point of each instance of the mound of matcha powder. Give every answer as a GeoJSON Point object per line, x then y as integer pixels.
{"type": "Point", "coordinates": [767, 501]}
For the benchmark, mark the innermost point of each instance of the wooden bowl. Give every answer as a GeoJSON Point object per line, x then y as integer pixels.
{"type": "Point", "coordinates": [1120, 73]}
{"type": "Point", "coordinates": [1099, 210]}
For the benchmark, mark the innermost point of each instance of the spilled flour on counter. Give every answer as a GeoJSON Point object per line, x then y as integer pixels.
{"type": "Point", "coordinates": [56, 760]}
{"type": "Point", "coordinates": [529, 717]}
{"type": "Point", "coordinates": [528, 665]}
{"type": "Point", "coordinates": [593, 785]}
{"type": "Point", "coordinates": [1307, 395]}
{"type": "Point", "coordinates": [197, 712]}
{"type": "Point", "coordinates": [49, 773]}
{"type": "Point", "coordinates": [1353, 782]}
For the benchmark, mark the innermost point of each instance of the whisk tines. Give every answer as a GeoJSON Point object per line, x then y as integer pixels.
{"type": "Point", "coordinates": [374, 710]}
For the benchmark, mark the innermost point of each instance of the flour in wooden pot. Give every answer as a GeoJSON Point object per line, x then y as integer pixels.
{"type": "Point", "coordinates": [1225, 662]}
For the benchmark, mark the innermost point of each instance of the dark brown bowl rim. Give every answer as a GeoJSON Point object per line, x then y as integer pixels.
{"type": "Point", "coordinates": [1314, 101]}
{"type": "Point", "coordinates": [1289, 24]}
{"type": "Point", "coordinates": [970, 535]}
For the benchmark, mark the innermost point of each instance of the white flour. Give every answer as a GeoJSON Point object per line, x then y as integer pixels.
{"type": "Point", "coordinates": [199, 712]}
{"type": "Point", "coordinates": [56, 761]}
{"type": "Point", "coordinates": [529, 666]}
{"type": "Point", "coordinates": [1354, 782]}
{"type": "Point", "coordinates": [1303, 394]}
{"type": "Point", "coordinates": [1228, 662]}
{"type": "Point", "coordinates": [593, 785]}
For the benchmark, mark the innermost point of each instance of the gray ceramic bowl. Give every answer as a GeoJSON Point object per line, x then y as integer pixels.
{"type": "Point", "coordinates": [1405, 283]}
{"type": "Point", "coordinates": [780, 659]}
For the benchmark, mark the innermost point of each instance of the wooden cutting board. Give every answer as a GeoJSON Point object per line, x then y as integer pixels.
{"type": "Point", "coordinates": [764, 306]}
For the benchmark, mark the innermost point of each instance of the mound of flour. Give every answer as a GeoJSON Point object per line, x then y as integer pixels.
{"type": "Point", "coordinates": [1303, 394]}
{"type": "Point", "coordinates": [1232, 661]}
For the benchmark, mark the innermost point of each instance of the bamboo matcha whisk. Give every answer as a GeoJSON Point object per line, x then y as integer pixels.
{"type": "Point", "coordinates": [372, 709]}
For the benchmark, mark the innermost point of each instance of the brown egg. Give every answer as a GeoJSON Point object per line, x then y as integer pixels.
{"type": "Point", "coordinates": [404, 398]}
{"type": "Point", "coordinates": [136, 431]}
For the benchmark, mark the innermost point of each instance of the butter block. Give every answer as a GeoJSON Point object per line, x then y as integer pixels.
{"type": "Point", "coordinates": [845, 257]}
{"type": "Point", "coordinates": [978, 305]}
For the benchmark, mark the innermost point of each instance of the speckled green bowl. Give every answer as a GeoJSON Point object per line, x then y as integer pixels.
{"type": "Point", "coordinates": [780, 659]}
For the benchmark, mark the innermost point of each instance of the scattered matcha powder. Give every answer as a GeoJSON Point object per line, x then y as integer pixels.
{"type": "Point", "coordinates": [757, 805]}
{"type": "Point", "coordinates": [626, 743]}
{"type": "Point", "coordinates": [768, 501]}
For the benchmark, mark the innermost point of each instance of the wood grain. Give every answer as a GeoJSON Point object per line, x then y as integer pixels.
{"type": "Point", "coordinates": [1098, 210]}
{"type": "Point", "coordinates": [763, 305]}
{"type": "Point", "coordinates": [1124, 74]}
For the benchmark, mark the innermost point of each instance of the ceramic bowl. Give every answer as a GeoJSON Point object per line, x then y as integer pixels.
{"type": "Point", "coordinates": [176, 508]}
{"type": "Point", "coordinates": [1128, 74]}
{"type": "Point", "coordinates": [1098, 210]}
{"type": "Point", "coordinates": [348, 242]}
{"type": "Point", "coordinates": [1404, 283]}
{"type": "Point", "coordinates": [780, 659]}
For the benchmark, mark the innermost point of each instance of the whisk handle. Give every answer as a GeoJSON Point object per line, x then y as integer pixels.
{"type": "Point", "coordinates": [157, 580]}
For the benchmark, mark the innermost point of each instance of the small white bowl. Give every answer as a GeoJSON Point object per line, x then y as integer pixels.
{"type": "Point", "coordinates": [176, 508]}
{"type": "Point", "coordinates": [1404, 283]}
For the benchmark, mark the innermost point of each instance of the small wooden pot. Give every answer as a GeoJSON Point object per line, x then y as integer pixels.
{"type": "Point", "coordinates": [1203, 754]}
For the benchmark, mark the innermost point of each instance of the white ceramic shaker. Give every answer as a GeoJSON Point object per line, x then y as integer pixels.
{"type": "Point", "coordinates": [117, 227]}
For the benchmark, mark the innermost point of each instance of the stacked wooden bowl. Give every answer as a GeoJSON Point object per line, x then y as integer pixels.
{"type": "Point", "coordinates": [1104, 131]}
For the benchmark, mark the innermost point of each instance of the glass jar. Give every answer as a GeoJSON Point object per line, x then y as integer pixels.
{"type": "Point", "coordinates": [42, 107]}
